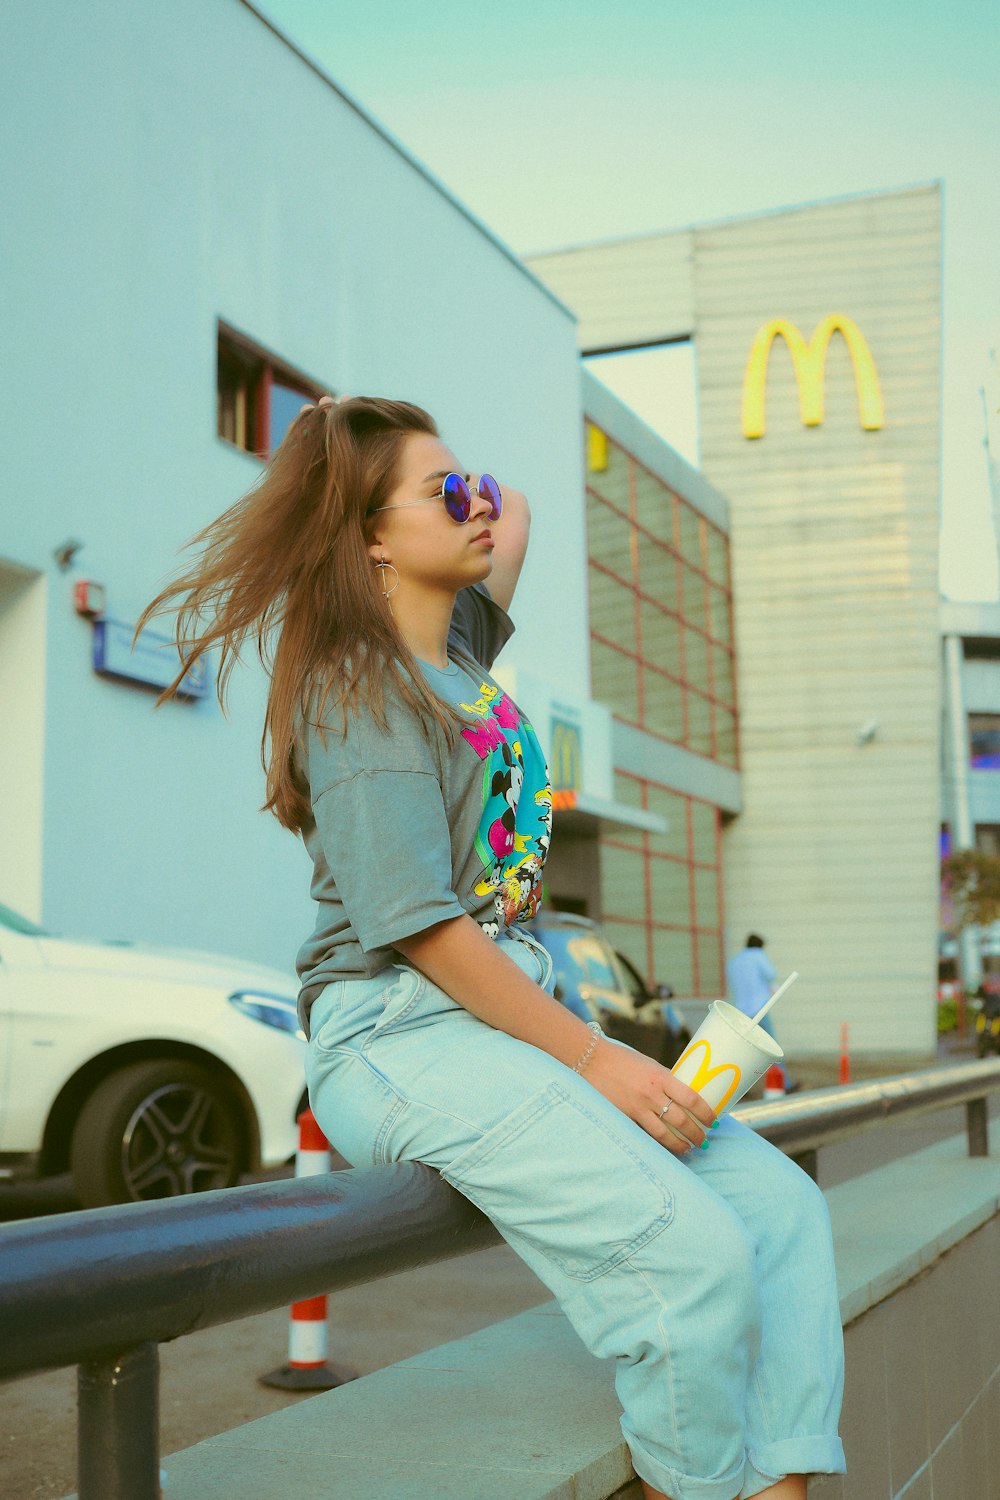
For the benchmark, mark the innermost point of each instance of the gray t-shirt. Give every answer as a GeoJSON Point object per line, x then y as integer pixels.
{"type": "Point", "coordinates": [405, 833]}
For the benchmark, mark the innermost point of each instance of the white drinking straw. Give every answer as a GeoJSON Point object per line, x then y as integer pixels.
{"type": "Point", "coordinates": [776, 996]}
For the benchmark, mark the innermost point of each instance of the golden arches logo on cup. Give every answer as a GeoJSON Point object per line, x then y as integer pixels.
{"type": "Point", "coordinates": [809, 363]}
{"type": "Point", "coordinates": [726, 1055]}
{"type": "Point", "coordinates": [700, 1076]}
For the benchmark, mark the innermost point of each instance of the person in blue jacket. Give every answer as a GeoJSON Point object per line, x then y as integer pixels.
{"type": "Point", "coordinates": [751, 975]}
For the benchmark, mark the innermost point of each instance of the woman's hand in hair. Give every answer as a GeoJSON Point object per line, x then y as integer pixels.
{"type": "Point", "coordinates": [640, 1087]}
{"type": "Point", "coordinates": [324, 401]}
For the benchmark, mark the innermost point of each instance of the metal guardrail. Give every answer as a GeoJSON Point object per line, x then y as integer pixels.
{"type": "Point", "coordinates": [102, 1288]}
{"type": "Point", "coordinates": [802, 1123]}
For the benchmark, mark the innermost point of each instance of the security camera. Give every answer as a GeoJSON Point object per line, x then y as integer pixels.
{"type": "Point", "coordinates": [65, 554]}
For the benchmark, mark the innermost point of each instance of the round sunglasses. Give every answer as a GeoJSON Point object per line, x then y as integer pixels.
{"type": "Point", "coordinates": [457, 497]}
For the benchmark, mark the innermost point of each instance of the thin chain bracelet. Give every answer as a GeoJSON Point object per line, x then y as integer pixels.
{"type": "Point", "coordinates": [585, 1059]}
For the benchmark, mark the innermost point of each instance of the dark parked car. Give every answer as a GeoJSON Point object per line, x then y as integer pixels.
{"type": "Point", "coordinates": [598, 983]}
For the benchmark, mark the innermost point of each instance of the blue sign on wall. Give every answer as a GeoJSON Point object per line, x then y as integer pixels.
{"type": "Point", "coordinates": [155, 660]}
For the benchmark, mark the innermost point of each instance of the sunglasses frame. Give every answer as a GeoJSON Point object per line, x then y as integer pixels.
{"type": "Point", "coordinates": [463, 499]}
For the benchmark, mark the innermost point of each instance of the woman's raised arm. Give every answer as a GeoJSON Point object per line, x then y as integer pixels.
{"type": "Point", "coordinates": [510, 537]}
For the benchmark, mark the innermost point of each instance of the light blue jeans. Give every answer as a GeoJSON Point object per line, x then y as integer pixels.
{"type": "Point", "coordinates": [709, 1277]}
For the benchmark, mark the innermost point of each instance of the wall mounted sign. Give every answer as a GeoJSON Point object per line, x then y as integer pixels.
{"type": "Point", "coordinates": [809, 362]}
{"type": "Point", "coordinates": [597, 449]}
{"type": "Point", "coordinates": [154, 662]}
{"type": "Point", "coordinates": [564, 771]}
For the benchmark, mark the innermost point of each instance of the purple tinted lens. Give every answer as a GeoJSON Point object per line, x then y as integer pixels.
{"type": "Point", "coordinates": [457, 497]}
{"type": "Point", "coordinates": [490, 490]}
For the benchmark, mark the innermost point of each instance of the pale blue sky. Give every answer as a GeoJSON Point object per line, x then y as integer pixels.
{"type": "Point", "coordinates": [558, 122]}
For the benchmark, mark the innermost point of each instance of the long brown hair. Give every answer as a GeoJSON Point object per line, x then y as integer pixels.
{"type": "Point", "coordinates": [288, 564]}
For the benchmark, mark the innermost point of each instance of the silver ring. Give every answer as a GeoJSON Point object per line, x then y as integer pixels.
{"type": "Point", "coordinates": [664, 1109]}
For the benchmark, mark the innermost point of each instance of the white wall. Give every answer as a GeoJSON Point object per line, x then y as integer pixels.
{"type": "Point", "coordinates": [22, 736]}
{"type": "Point", "coordinates": [167, 166]}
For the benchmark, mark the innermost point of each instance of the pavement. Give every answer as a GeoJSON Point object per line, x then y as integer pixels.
{"type": "Point", "coordinates": [210, 1379]}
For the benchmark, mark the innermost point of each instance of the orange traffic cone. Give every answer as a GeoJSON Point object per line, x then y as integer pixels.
{"type": "Point", "coordinates": [774, 1083]}
{"type": "Point", "coordinates": [307, 1368]}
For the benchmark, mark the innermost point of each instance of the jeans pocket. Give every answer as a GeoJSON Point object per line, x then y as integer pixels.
{"type": "Point", "coordinates": [398, 999]}
{"type": "Point", "coordinates": [324, 1015]}
{"type": "Point", "coordinates": [544, 960]}
{"type": "Point", "coordinates": [566, 1182]}
{"type": "Point", "coordinates": [354, 1105]}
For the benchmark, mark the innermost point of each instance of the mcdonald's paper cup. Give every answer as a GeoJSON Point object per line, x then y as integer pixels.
{"type": "Point", "coordinates": [726, 1056]}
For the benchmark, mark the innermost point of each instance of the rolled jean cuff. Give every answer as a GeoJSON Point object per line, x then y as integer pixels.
{"type": "Point", "coordinates": [681, 1486]}
{"type": "Point", "coordinates": [797, 1455]}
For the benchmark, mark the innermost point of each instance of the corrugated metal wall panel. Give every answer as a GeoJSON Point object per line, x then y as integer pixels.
{"type": "Point", "coordinates": [629, 292]}
{"type": "Point", "coordinates": [834, 535]}
{"type": "Point", "coordinates": [835, 557]}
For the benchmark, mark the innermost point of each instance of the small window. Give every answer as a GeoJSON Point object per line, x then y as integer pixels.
{"type": "Point", "coordinates": [257, 396]}
{"type": "Point", "coordinates": [984, 740]}
{"type": "Point", "coordinates": [988, 838]}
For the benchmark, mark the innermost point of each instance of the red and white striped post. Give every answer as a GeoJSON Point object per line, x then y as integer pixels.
{"type": "Point", "coordinates": [307, 1368]}
{"type": "Point", "coordinates": [774, 1082]}
{"type": "Point", "coordinates": [845, 1056]}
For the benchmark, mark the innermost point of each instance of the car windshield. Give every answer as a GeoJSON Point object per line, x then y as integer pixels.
{"type": "Point", "coordinates": [633, 981]}
{"type": "Point", "coordinates": [581, 957]}
{"type": "Point", "coordinates": [593, 960]}
{"type": "Point", "coordinates": [16, 923]}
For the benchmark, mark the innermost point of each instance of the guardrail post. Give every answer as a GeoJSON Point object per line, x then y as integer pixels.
{"type": "Point", "coordinates": [977, 1125]}
{"type": "Point", "coordinates": [119, 1426]}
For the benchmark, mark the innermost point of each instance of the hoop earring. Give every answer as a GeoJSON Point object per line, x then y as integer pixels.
{"type": "Point", "coordinates": [386, 592]}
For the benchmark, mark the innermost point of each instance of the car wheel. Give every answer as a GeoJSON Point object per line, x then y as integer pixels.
{"type": "Point", "coordinates": [156, 1130]}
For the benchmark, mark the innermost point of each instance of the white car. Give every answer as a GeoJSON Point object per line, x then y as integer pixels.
{"type": "Point", "coordinates": [144, 1071]}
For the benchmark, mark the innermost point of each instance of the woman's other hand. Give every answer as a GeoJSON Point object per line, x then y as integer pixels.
{"type": "Point", "coordinates": [640, 1088]}
{"type": "Point", "coordinates": [324, 401]}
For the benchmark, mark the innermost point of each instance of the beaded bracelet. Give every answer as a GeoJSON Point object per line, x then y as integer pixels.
{"type": "Point", "coordinates": [585, 1059]}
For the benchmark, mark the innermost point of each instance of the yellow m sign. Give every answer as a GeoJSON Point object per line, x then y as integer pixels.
{"type": "Point", "coordinates": [809, 361]}
{"type": "Point", "coordinates": [565, 769]}
{"type": "Point", "coordinates": [704, 1073]}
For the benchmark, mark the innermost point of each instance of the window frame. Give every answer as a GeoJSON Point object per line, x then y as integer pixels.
{"type": "Point", "coordinates": [647, 922]}
{"type": "Point", "coordinates": [268, 369]}
{"type": "Point", "coordinates": [633, 656]}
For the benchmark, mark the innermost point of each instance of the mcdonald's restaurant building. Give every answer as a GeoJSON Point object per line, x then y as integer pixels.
{"type": "Point", "coordinates": [739, 705]}
{"type": "Point", "coordinates": [805, 604]}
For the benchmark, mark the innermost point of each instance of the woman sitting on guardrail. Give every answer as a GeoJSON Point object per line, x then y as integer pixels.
{"type": "Point", "coordinates": [375, 575]}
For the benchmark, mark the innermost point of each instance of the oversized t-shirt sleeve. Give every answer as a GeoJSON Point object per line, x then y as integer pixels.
{"type": "Point", "coordinates": [480, 624]}
{"type": "Point", "coordinates": [382, 824]}
{"type": "Point", "coordinates": [386, 840]}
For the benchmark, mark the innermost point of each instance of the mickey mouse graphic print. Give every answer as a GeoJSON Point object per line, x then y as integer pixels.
{"type": "Point", "coordinates": [516, 824]}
